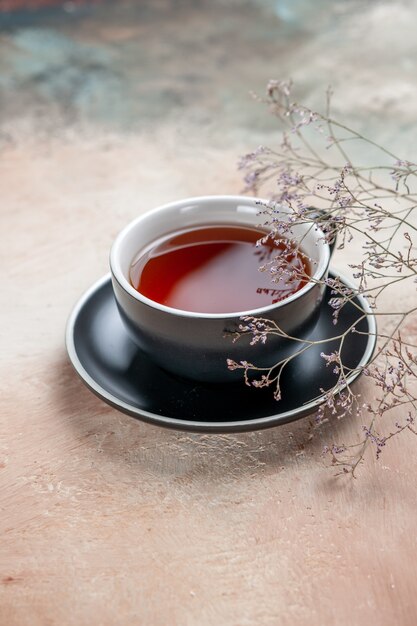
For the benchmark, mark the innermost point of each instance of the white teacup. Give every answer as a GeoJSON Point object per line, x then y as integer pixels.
{"type": "Point", "coordinates": [192, 344]}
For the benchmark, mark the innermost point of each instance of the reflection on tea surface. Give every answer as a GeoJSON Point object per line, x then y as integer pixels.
{"type": "Point", "coordinates": [216, 269]}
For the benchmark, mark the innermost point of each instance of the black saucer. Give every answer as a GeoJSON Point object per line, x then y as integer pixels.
{"type": "Point", "coordinates": [113, 367]}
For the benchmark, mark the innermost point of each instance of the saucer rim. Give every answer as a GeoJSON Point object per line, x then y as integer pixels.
{"type": "Point", "coordinates": [259, 423]}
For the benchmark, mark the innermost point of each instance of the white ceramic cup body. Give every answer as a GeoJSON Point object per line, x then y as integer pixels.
{"type": "Point", "coordinates": [197, 345]}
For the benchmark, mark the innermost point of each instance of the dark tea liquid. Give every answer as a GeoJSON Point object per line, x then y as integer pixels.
{"type": "Point", "coordinates": [215, 269]}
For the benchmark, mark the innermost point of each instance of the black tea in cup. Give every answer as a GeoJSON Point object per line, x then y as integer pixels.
{"type": "Point", "coordinates": [216, 269]}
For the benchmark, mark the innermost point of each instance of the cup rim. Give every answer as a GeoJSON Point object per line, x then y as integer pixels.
{"type": "Point", "coordinates": [119, 276]}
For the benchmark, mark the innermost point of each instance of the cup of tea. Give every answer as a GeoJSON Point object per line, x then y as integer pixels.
{"type": "Point", "coordinates": [185, 273]}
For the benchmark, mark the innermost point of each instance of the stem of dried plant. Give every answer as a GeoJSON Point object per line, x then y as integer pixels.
{"type": "Point", "coordinates": [314, 167]}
